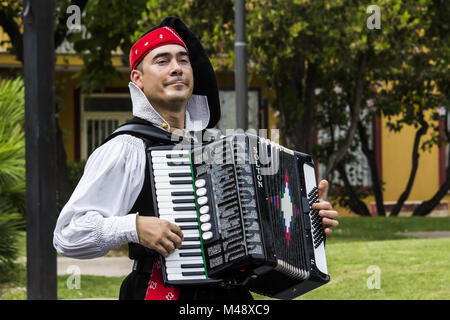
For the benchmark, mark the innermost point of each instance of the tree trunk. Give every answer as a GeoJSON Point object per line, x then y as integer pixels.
{"type": "Point", "coordinates": [415, 164]}
{"type": "Point", "coordinates": [337, 156]}
{"type": "Point", "coordinates": [296, 101]}
{"type": "Point", "coordinates": [427, 206]}
{"type": "Point", "coordinates": [356, 205]}
{"type": "Point", "coordinates": [376, 183]}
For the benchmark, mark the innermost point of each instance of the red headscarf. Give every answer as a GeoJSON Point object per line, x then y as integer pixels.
{"type": "Point", "coordinates": [152, 40]}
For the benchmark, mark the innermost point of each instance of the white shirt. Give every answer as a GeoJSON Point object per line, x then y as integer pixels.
{"type": "Point", "coordinates": [95, 219]}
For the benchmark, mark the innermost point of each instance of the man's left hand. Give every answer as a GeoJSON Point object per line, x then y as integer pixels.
{"type": "Point", "coordinates": [325, 209]}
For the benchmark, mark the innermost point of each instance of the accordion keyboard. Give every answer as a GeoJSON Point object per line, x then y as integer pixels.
{"type": "Point", "coordinates": [176, 203]}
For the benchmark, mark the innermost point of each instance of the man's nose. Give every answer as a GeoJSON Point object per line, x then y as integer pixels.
{"type": "Point", "coordinates": [175, 67]}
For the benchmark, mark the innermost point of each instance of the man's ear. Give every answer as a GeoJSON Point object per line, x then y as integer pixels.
{"type": "Point", "coordinates": [136, 78]}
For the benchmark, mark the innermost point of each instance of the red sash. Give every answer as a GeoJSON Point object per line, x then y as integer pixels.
{"type": "Point", "coordinates": [156, 289]}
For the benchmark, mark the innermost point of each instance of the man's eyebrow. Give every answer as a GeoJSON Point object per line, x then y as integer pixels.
{"type": "Point", "coordinates": [167, 54]}
{"type": "Point", "coordinates": [162, 54]}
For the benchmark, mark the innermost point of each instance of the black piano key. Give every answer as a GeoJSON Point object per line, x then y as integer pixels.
{"type": "Point", "coordinates": [193, 227]}
{"type": "Point", "coordinates": [191, 265]}
{"type": "Point", "coordinates": [189, 182]}
{"type": "Point", "coordinates": [185, 219]}
{"type": "Point", "coordinates": [193, 273]}
{"type": "Point", "coordinates": [191, 239]}
{"type": "Point", "coordinates": [190, 254]}
{"type": "Point", "coordinates": [184, 208]}
{"type": "Point", "coordinates": [183, 201]}
{"type": "Point", "coordinates": [182, 193]}
{"type": "Point", "coordinates": [190, 246]}
{"type": "Point", "coordinates": [179, 155]}
{"type": "Point", "coordinates": [180, 174]}
{"type": "Point", "coordinates": [177, 164]}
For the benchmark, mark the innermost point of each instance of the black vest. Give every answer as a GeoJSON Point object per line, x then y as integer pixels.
{"type": "Point", "coordinates": [151, 136]}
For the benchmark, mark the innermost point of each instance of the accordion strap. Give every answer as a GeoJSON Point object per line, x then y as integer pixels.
{"type": "Point", "coordinates": [146, 131]}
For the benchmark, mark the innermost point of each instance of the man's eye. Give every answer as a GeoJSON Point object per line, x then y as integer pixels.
{"type": "Point", "coordinates": [161, 61]}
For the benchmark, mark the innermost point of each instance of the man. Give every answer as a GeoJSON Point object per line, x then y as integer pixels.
{"type": "Point", "coordinates": [173, 87]}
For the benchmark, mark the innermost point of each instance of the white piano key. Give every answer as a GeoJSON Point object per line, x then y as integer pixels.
{"type": "Point", "coordinates": [164, 204]}
{"type": "Point", "coordinates": [177, 263]}
{"type": "Point", "coordinates": [170, 198]}
{"type": "Point", "coordinates": [174, 270]}
{"type": "Point", "coordinates": [168, 179]}
{"type": "Point", "coordinates": [163, 153]}
{"type": "Point", "coordinates": [170, 211]}
{"type": "Point", "coordinates": [190, 243]}
{"type": "Point", "coordinates": [176, 255]}
{"type": "Point", "coordinates": [172, 218]}
{"type": "Point", "coordinates": [163, 172]}
{"type": "Point", "coordinates": [191, 233]}
{"type": "Point", "coordinates": [165, 166]}
{"type": "Point", "coordinates": [173, 277]}
{"type": "Point", "coordinates": [165, 160]}
{"type": "Point", "coordinates": [165, 192]}
{"type": "Point", "coordinates": [167, 185]}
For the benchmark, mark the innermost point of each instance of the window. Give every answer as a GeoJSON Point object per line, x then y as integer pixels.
{"type": "Point", "coordinates": [101, 114]}
{"type": "Point", "coordinates": [358, 173]}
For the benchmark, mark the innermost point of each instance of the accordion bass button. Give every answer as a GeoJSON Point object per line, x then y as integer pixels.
{"type": "Point", "coordinates": [200, 183]}
{"type": "Point", "coordinates": [207, 235]}
{"type": "Point", "coordinates": [204, 209]}
{"type": "Point", "coordinates": [205, 218]}
{"type": "Point", "coordinates": [201, 192]}
{"type": "Point", "coordinates": [202, 200]}
{"type": "Point", "coordinates": [206, 226]}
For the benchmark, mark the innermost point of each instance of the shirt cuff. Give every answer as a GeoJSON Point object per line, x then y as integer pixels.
{"type": "Point", "coordinates": [116, 231]}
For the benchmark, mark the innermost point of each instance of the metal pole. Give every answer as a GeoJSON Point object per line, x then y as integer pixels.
{"type": "Point", "coordinates": [240, 66]}
{"type": "Point", "coordinates": [39, 65]}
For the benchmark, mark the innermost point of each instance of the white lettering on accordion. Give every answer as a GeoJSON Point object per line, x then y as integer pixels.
{"type": "Point", "coordinates": [258, 167]}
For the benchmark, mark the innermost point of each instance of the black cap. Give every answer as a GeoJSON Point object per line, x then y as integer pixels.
{"type": "Point", "coordinates": [205, 82]}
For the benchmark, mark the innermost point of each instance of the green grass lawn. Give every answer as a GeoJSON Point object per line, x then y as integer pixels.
{"type": "Point", "coordinates": [409, 268]}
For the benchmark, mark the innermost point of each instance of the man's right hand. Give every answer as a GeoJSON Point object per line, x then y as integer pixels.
{"type": "Point", "coordinates": [158, 234]}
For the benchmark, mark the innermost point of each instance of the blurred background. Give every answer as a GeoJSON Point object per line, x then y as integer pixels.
{"type": "Point", "coordinates": [362, 87]}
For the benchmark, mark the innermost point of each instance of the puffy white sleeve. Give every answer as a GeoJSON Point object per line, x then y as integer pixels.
{"type": "Point", "coordinates": [95, 219]}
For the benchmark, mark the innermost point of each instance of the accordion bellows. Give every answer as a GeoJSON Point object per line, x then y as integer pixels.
{"type": "Point", "coordinates": [244, 205]}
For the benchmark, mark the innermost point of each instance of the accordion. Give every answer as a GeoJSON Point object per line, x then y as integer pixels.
{"type": "Point", "coordinates": [244, 204]}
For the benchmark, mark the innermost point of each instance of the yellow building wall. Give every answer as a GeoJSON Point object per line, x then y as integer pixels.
{"type": "Point", "coordinates": [397, 163]}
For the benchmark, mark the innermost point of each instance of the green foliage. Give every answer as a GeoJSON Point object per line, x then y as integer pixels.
{"type": "Point", "coordinates": [109, 27]}
{"type": "Point", "coordinates": [12, 171]}
{"type": "Point", "coordinates": [299, 47]}
{"type": "Point", "coordinates": [75, 172]}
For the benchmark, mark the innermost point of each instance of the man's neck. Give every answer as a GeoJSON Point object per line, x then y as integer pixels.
{"type": "Point", "coordinates": [175, 118]}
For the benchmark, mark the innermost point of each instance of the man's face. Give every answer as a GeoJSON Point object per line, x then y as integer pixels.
{"type": "Point", "coordinates": [166, 78]}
